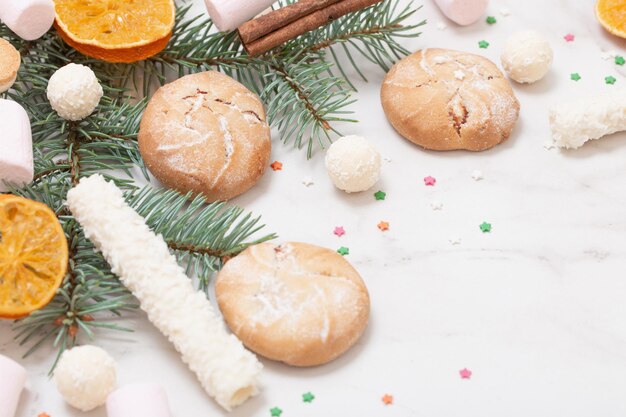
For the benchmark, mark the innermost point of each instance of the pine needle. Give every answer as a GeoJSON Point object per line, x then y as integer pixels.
{"type": "Point", "coordinates": [306, 102]}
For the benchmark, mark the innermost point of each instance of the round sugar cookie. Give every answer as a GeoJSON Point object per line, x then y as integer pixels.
{"type": "Point", "coordinates": [295, 303]}
{"type": "Point", "coordinates": [10, 61]}
{"type": "Point", "coordinates": [207, 134]}
{"type": "Point", "coordinates": [446, 100]}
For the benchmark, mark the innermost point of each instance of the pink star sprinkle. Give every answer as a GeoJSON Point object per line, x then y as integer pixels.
{"type": "Point", "coordinates": [430, 181]}
{"type": "Point", "coordinates": [465, 373]}
{"type": "Point", "coordinates": [569, 37]}
{"type": "Point", "coordinates": [339, 231]}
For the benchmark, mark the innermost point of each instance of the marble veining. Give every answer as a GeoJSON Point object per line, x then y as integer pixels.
{"type": "Point", "coordinates": [536, 308]}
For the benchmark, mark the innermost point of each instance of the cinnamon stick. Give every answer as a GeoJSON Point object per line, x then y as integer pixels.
{"type": "Point", "coordinates": [261, 26]}
{"type": "Point", "coordinates": [305, 24]}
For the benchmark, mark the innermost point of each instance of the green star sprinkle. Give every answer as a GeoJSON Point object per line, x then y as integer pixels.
{"type": "Point", "coordinates": [380, 195]}
{"type": "Point", "coordinates": [575, 76]}
{"type": "Point", "coordinates": [276, 412]}
{"type": "Point", "coordinates": [483, 44]}
{"type": "Point", "coordinates": [485, 227]}
{"type": "Point", "coordinates": [491, 20]}
{"type": "Point", "coordinates": [619, 60]}
{"type": "Point", "coordinates": [343, 251]}
{"type": "Point", "coordinates": [610, 79]}
{"type": "Point", "coordinates": [308, 397]}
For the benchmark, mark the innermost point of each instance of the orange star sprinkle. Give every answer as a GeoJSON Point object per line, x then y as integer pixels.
{"type": "Point", "coordinates": [277, 166]}
{"type": "Point", "coordinates": [387, 399]}
{"type": "Point", "coordinates": [383, 226]}
{"type": "Point", "coordinates": [44, 415]}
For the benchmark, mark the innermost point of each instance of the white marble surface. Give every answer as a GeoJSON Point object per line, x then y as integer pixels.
{"type": "Point", "coordinates": [536, 309]}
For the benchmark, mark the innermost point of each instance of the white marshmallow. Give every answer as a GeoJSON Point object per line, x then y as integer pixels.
{"type": "Point", "coordinates": [138, 400]}
{"type": "Point", "coordinates": [12, 380]}
{"type": "Point", "coordinates": [575, 122]}
{"type": "Point", "coordinates": [463, 12]}
{"type": "Point", "coordinates": [29, 19]}
{"type": "Point", "coordinates": [230, 14]}
{"type": "Point", "coordinates": [16, 145]}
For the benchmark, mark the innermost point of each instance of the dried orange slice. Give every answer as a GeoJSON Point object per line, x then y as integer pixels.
{"type": "Point", "coordinates": [116, 30]}
{"type": "Point", "coordinates": [33, 256]}
{"type": "Point", "coordinates": [612, 15]}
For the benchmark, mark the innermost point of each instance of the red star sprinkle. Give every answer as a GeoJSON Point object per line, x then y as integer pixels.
{"type": "Point", "coordinates": [465, 373]}
{"type": "Point", "coordinates": [339, 231]}
{"type": "Point", "coordinates": [277, 166]}
{"type": "Point", "coordinates": [569, 37]}
{"type": "Point", "coordinates": [430, 181]}
{"type": "Point", "coordinates": [387, 399]}
{"type": "Point", "coordinates": [383, 226]}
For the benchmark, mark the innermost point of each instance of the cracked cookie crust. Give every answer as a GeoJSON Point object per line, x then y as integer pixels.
{"type": "Point", "coordinates": [297, 303]}
{"type": "Point", "coordinates": [207, 134]}
{"type": "Point", "coordinates": [447, 100]}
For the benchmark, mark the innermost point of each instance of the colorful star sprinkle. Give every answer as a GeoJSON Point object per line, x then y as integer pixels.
{"type": "Point", "coordinates": [619, 60]}
{"type": "Point", "coordinates": [307, 181]}
{"type": "Point", "coordinates": [430, 181]}
{"type": "Point", "coordinates": [339, 231]}
{"type": "Point", "coordinates": [383, 226]}
{"type": "Point", "coordinates": [477, 175]}
{"type": "Point", "coordinates": [343, 251]}
{"type": "Point", "coordinates": [569, 37]}
{"type": "Point", "coordinates": [387, 399]}
{"type": "Point", "coordinates": [308, 397]}
{"type": "Point", "coordinates": [491, 20]}
{"type": "Point", "coordinates": [380, 195]}
{"type": "Point", "coordinates": [276, 412]}
{"type": "Point", "coordinates": [574, 76]}
{"type": "Point", "coordinates": [465, 373]}
{"type": "Point", "coordinates": [606, 55]}
{"type": "Point", "coordinates": [436, 205]}
{"type": "Point", "coordinates": [277, 166]}
{"type": "Point", "coordinates": [610, 79]}
{"type": "Point", "coordinates": [485, 227]}
{"type": "Point", "coordinates": [483, 44]}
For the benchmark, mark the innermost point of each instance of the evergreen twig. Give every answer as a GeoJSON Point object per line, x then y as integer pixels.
{"type": "Point", "coordinates": [305, 103]}
{"type": "Point", "coordinates": [91, 297]}
{"type": "Point", "coordinates": [306, 100]}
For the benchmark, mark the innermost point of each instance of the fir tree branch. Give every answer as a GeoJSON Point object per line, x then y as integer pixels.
{"type": "Point", "coordinates": [202, 236]}
{"type": "Point", "coordinates": [193, 48]}
{"type": "Point", "coordinates": [305, 103]}
{"type": "Point", "coordinates": [91, 296]}
{"type": "Point", "coordinates": [283, 77]}
{"type": "Point", "coordinates": [370, 33]}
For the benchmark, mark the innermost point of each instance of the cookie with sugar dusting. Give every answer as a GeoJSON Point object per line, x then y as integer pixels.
{"type": "Point", "coordinates": [296, 303]}
{"type": "Point", "coordinates": [445, 100]}
{"type": "Point", "coordinates": [206, 133]}
{"type": "Point", "coordinates": [10, 61]}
